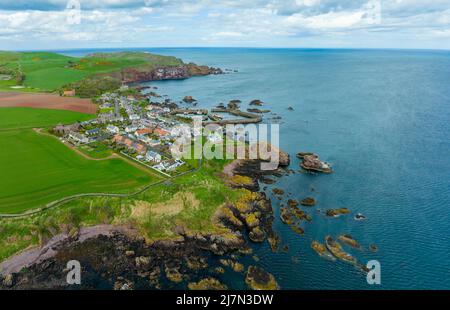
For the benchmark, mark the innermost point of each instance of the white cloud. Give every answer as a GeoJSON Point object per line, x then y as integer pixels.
{"type": "Point", "coordinates": [226, 22]}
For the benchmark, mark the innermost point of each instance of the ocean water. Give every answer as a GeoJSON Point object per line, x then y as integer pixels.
{"type": "Point", "coordinates": [382, 118]}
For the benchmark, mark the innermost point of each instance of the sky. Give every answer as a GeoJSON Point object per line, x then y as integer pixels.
{"type": "Point", "coordinates": [61, 24]}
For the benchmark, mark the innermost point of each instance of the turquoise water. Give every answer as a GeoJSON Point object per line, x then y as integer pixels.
{"type": "Point", "coordinates": [382, 118]}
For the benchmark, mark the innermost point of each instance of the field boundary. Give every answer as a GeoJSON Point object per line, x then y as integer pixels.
{"type": "Point", "coordinates": [64, 200]}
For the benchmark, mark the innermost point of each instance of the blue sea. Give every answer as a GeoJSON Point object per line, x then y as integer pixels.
{"type": "Point", "coordinates": [382, 118]}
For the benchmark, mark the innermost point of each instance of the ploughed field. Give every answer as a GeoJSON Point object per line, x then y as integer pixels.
{"type": "Point", "coordinates": [37, 169]}
{"type": "Point", "coordinates": [46, 101]}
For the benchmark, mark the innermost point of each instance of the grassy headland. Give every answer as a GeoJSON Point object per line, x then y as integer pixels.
{"type": "Point", "coordinates": [44, 71]}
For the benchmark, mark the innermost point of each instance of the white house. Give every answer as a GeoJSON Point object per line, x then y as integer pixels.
{"type": "Point", "coordinates": [112, 129]}
{"type": "Point", "coordinates": [134, 117]}
{"type": "Point", "coordinates": [129, 129]}
{"type": "Point", "coordinates": [153, 157]}
{"type": "Point", "coordinates": [78, 138]}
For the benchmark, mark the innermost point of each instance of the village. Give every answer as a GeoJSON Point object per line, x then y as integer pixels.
{"type": "Point", "coordinates": [129, 123]}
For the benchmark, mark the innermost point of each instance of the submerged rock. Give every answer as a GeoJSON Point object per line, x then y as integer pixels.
{"type": "Point", "coordinates": [360, 217]}
{"type": "Point", "coordinates": [292, 203]}
{"type": "Point", "coordinates": [347, 239]}
{"type": "Point", "coordinates": [298, 230]}
{"type": "Point", "coordinates": [337, 212]}
{"type": "Point", "coordinates": [373, 248]}
{"type": "Point", "coordinates": [268, 181]}
{"type": "Point", "coordinates": [219, 270]}
{"type": "Point", "coordinates": [207, 284]}
{"type": "Point", "coordinates": [259, 279]}
{"type": "Point", "coordinates": [256, 102]}
{"type": "Point", "coordinates": [308, 202]}
{"type": "Point", "coordinates": [258, 111]}
{"type": "Point", "coordinates": [278, 191]}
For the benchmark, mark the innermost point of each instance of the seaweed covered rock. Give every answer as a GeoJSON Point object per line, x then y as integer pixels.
{"type": "Point", "coordinates": [259, 279]}
{"type": "Point", "coordinates": [337, 212]}
{"type": "Point", "coordinates": [207, 284]}
{"type": "Point", "coordinates": [196, 262]}
{"type": "Point", "coordinates": [174, 275]}
{"type": "Point", "coordinates": [350, 241]}
{"type": "Point", "coordinates": [336, 249]}
{"type": "Point", "coordinates": [241, 181]}
{"type": "Point", "coordinates": [322, 250]}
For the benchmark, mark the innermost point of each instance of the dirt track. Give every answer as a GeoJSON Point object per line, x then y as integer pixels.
{"type": "Point", "coordinates": [46, 101]}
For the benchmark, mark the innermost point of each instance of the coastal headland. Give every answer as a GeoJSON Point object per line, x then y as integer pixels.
{"type": "Point", "coordinates": [117, 200]}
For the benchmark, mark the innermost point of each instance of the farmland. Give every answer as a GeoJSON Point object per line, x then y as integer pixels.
{"type": "Point", "coordinates": [43, 71]}
{"type": "Point", "coordinates": [15, 118]}
{"type": "Point", "coordinates": [38, 169]}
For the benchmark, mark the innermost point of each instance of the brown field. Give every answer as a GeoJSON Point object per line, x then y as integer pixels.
{"type": "Point", "coordinates": [47, 101]}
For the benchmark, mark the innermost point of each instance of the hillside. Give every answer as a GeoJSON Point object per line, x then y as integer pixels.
{"type": "Point", "coordinates": [44, 71]}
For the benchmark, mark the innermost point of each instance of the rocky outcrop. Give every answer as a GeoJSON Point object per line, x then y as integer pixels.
{"type": "Point", "coordinates": [256, 102]}
{"type": "Point", "coordinates": [312, 162]}
{"type": "Point", "coordinates": [259, 111]}
{"type": "Point", "coordinates": [336, 249]}
{"type": "Point", "coordinates": [234, 104]}
{"type": "Point", "coordinates": [350, 241]}
{"type": "Point", "coordinates": [337, 212]}
{"type": "Point", "coordinates": [189, 99]}
{"type": "Point", "coordinates": [139, 75]}
{"type": "Point", "coordinates": [259, 279]}
{"type": "Point", "coordinates": [322, 251]}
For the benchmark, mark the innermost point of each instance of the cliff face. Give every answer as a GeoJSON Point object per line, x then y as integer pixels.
{"type": "Point", "coordinates": [136, 75]}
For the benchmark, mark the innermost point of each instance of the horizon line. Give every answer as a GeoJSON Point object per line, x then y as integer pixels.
{"type": "Point", "coordinates": [226, 47]}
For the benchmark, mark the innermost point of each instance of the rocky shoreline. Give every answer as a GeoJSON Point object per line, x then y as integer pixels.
{"type": "Point", "coordinates": [117, 258]}
{"type": "Point", "coordinates": [135, 75]}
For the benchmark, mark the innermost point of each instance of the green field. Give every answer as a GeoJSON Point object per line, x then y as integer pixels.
{"type": "Point", "coordinates": [96, 150]}
{"type": "Point", "coordinates": [37, 169]}
{"type": "Point", "coordinates": [45, 71]}
{"type": "Point", "coordinates": [53, 78]}
{"type": "Point", "coordinates": [16, 118]}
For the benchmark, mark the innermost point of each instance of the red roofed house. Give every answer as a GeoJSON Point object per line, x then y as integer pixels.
{"type": "Point", "coordinates": [161, 132]}
{"type": "Point", "coordinates": [143, 132]}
